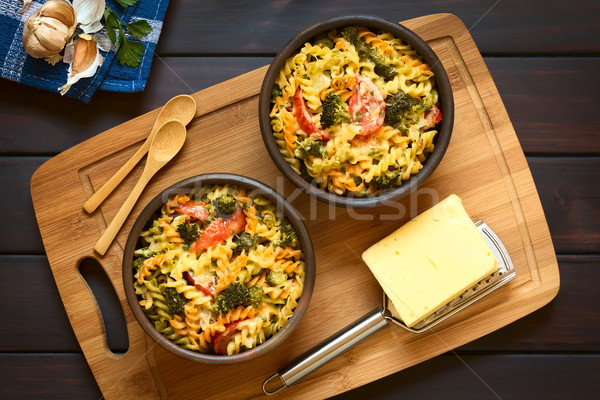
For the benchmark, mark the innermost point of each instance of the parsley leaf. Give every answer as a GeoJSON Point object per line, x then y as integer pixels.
{"type": "Point", "coordinates": [126, 3]}
{"type": "Point", "coordinates": [129, 52]}
{"type": "Point", "coordinates": [112, 22]}
{"type": "Point", "coordinates": [139, 28]}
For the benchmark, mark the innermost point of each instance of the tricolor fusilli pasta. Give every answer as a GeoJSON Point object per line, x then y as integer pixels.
{"type": "Point", "coordinates": [355, 111]}
{"type": "Point", "coordinates": [219, 271]}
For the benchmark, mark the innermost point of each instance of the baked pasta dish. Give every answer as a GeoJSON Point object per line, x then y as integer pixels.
{"type": "Point", "coordinates": [219, 271]}
{"type": "Point", "coordinates": [354, 111]}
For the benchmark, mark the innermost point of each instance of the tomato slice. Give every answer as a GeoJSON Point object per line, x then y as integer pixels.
{"type": "Point", "coordinates": [220, 229]}
{"type": "Point", "coordinates": [206, 289]}
{"type": "Point", "coordinates": [304, 118]}
{"type": "Point", "coordinates": [433, 116]}
{"type": "Point", "coordinates": [222, 339]}
{"type": "Point", "coordinates": [194, 209]}
{"type": "Point", "coordinates": [367, 106]}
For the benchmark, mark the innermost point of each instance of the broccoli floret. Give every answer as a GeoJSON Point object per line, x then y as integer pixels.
{"type": "Point", "coordinates": [144, 252]}
{"type": "Point", "coordinates": [289, 237]}
{"type": "Point", "coordinates": [276, 91]}
{"type": "Point", "coordinates": [188, 232]}
{"type": "Point", "coordinates": [324, 40]}
{"type": "Point", "coordinates": [225, 205]}
{"type": "Point", "coordinates": [255, 295]}
{"type": "Point", "coordinates": [387, 72]}
{"type": "Point", "coordinates": [398, 109]}
{"type": "Point", "coordinates": [237, 294]}
{"type": "Point", "coordinates": [233, 295]}
{"type": "Point", "coordinates": [138, 262]}
{"type": "Point", "coordinates": [310, 147]}
{"type": "Point", "coordinates": [276, 277]}
{"type": "Point", "coordinates": [288, 229]}
{"type": "Point", "coordinates": [244, 241]}
{"type": "Point", "coordinates": [141, 255]}
{"type": "Point", "coordinates": [335, 111]}
{"type": "Point", "coordinates": [364, 50]}
{"type": "Point", "coordinates": [386, 179]}
{"type": "Point", "coordinates": [175, 301]}
{"type": "Point", "coordinates": [401, 101]}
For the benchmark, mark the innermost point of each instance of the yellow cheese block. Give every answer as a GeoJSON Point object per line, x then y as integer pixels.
{"type": "Point", "coordinates": [430, 260]}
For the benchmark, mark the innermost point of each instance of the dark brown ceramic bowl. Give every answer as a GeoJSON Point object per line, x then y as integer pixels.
{"type": "Point", "coordinates": [189, 186]}
{"type": "Point", "coordinates": [446, 105]}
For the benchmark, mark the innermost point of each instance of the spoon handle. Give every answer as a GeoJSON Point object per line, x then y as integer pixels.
{"type": "Point", "coordinates": [93, 202]}
{"type": "Point", "coordinates": [115, 225]}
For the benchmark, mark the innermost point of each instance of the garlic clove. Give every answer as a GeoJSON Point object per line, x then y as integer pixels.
{"type": "Point", "coordinates": [85, 53]}
{"type": "Point", "coordinates": [55, 37]}
{"type": "Point", "coordinates": [89, 13]}
{"type": "Point", "coordinates": [61, 11]}
{"type": "Point", "coordinates": [93, 27]}
{"type": "Point", "coordinates": [85, 61]}
{"type": "Point", "coordinates": [31, 41]}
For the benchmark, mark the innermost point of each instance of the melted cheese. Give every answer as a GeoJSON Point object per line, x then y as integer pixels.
{"type": "Point", "coordinates": [430, 260]}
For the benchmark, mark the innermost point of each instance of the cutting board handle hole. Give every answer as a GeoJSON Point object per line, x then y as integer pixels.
{"type": "Point", "coordinates": [109, 304]}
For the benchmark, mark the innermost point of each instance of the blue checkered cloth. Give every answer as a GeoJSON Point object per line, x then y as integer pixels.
{"type": "Point", "coordinates": [18, 66]}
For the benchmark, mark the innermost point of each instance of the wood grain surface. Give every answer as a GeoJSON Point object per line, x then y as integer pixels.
{"type": "Point", "coordinates": [544, 59]}
{"type": "Point", "coordinates": [500, 27]}
{"type": "Point", "coordinates": [502, 194]}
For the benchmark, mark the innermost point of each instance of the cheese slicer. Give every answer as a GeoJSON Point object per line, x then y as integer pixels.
{"type": "Point", "coordinates": [382, 316]}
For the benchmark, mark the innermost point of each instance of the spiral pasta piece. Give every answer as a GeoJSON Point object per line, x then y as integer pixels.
{"type": "Point", "coordinates": [375, 40]}
{"type": "Point", "coordinates": [289, 132]}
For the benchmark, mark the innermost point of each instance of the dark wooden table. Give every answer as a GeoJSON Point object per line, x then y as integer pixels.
{"type": "Point", "coordinates": [545, 59]}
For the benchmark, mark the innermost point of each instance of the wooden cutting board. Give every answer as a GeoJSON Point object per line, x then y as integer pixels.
{"type": "Point", "coordinates": [484, 165]}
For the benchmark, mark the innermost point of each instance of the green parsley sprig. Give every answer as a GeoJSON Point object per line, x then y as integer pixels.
{"type": "Point", "coordinates": [129, 52]}
{"type": "Point", "coordinates": [126, 3]}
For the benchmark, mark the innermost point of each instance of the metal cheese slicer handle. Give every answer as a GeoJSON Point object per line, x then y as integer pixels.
{"type": "Point", "coordinates": [327, 350]}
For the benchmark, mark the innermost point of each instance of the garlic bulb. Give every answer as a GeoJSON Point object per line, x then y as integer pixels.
{"type": "Point", "coordinates": [47, 30]}
{"type": "Point", "coordinates": [84, 58]}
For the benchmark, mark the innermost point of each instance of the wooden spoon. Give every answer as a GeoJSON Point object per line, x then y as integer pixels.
{"type": "Point", "coordinates": [167, 142]}
{"type": "Point", "coordinates": [181, 108]}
